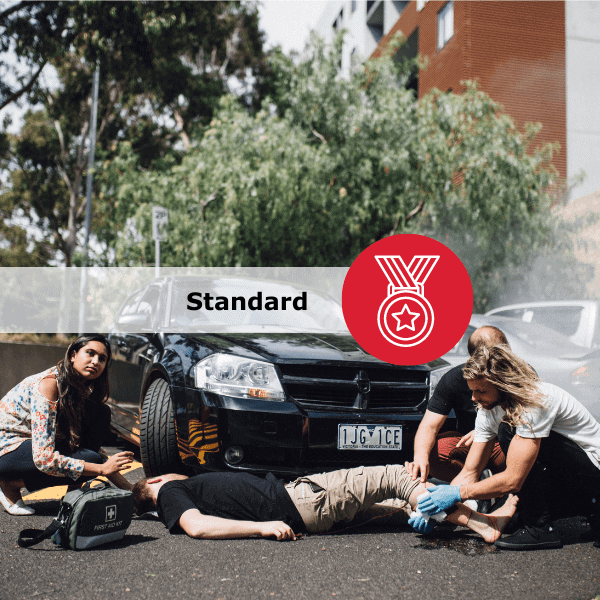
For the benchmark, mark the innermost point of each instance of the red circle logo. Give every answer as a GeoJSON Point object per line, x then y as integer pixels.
{"type": "Point", "coordinates": [407, 299]}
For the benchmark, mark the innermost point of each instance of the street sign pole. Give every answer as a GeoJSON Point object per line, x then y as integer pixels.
{"type": "Point", "coordinates": [88, 203]}
{"type": "Point", "coordinates": [157, 258]}
{"type": "Point", "coordinates": [160, 220]}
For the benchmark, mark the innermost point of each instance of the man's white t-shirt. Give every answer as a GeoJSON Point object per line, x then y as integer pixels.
{"type": "Point", "coordinates": [561, 413]}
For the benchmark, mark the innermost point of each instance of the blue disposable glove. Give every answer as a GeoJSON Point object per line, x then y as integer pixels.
{"type": "Point", "coordinates": [441, 498]}
{"type": "Point", "coordinates": [418, 523]}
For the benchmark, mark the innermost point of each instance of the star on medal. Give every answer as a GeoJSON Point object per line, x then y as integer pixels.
{"type": "Point", "coordinates": [407, 316]}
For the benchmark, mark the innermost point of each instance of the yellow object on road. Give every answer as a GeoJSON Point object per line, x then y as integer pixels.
{"type": "Point", "coordinates": [57, 492]}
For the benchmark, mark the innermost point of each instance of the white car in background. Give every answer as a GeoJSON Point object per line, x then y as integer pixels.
{"type": "Point", "coordinates": [579, 320]}
{"type": "Point", "coordinates": [554, 357]}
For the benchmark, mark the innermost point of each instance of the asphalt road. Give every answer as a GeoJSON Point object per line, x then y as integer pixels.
{"type": "Point", "coordinates": [381, 561]}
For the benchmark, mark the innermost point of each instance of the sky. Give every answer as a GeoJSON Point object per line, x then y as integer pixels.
{"type": "Point", "coordinates": [288, 22]}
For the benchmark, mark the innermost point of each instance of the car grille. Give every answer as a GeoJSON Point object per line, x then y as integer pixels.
{"type": "Point", "coordinates": [351, 388]}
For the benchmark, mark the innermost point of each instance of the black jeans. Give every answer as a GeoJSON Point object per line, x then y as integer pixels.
{"type": "Point", "coordinates": [19, 464]}
{"type": "Point", "coordinates": [563, 481]}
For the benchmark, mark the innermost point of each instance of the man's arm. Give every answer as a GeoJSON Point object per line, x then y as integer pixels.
{"type": "Point", "coordinates": [424, 442]}
{"type": "Point", "coordinates": [522, 454]}
{"type": "Point", "coordinates": [477, 458]}
{"type": "Point", "coordinates": [197, 525]}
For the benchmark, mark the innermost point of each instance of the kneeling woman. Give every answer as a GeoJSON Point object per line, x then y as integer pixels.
{"type": "Point", "coordinates": [52, 426]}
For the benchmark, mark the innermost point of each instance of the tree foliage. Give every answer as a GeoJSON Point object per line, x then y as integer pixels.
{"type": "Point", "coordinates": [333, 164]}
{"type": "Point", "coordinates": [163, 67]}
{"type": "Point", "coordinates": [326, 166]}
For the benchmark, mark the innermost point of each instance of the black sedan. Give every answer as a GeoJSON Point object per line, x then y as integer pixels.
{"type": "Point", "coordinates": [267, 400]}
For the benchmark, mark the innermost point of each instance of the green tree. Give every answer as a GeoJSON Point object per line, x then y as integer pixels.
{"type": "Point", "coordinates": [163, 67]}
{"type": "Point", "coordinates": [333, 164]}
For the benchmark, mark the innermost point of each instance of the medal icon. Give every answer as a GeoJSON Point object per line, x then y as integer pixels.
{"type": "Point", "coordinates": [392, 317]}
{"type": "Point", "coordinates": [405, 317]}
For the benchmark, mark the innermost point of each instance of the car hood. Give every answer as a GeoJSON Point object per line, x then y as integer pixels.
{"type": "Point", "coordinates": [297, 347]}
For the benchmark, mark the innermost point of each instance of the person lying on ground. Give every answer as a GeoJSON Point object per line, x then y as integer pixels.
{"type": "Point", "coordinates": [237, 505]}
{"type": "Point", "coordinates": [53, 424]}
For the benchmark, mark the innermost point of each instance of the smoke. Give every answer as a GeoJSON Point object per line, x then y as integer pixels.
{"type": "Point", "coordinates": [561, 268]}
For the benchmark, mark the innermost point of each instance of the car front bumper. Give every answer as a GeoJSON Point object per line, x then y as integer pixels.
{"type": "Point", "coordinates": [279, 437]}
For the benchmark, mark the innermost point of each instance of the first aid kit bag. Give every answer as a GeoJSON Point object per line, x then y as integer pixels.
{"type": "Point", "coordinates": [88, 517]}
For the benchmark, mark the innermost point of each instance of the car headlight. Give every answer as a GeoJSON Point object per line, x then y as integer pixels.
{"type": "Point", "coordinates": [238, 377]}
{"type": "Point", "coordinates": [435, 376]}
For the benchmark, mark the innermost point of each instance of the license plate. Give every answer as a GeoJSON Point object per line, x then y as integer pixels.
{"type": "Point", "coordinates": [369, 437]}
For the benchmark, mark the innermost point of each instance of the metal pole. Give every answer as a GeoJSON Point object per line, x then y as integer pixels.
{"type": "Point", "coordinates": [88, 202]}
{"type": "Point", "coordinates": [156, 258]}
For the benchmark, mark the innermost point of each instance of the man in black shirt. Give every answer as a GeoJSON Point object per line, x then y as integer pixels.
{"type": "Point", "coordinates": [237, 505]}
{"type": "Point", "coordinates": [443, 455]}
{"type": "Point", "coordinates": [254, 503]}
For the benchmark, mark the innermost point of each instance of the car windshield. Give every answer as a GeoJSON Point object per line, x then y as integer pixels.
{"type": "Point", "coordinates": [539, 337]}
{"type": "Point", "coordinates": [322, 313]}
{"type": "Point", "coordinates": [531, 335]}
{"type": "Point", "coordinates": [460, 349]}
{"type": "Point", "coordinates": [564, 319]}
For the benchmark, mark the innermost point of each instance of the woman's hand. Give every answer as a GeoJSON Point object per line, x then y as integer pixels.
{"type": "Point", "coordinates": [117, 462]}
{"type": "Point", "coordinates": [278, 529]}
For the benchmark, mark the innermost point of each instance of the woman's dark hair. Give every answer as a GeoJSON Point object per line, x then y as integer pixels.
{"type": "Point", "coordinates": [74, 392]}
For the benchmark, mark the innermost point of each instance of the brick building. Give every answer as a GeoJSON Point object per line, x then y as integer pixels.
{"type": "Point", "coordinates": [539, 59]}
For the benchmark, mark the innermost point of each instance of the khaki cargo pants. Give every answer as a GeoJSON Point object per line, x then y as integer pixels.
{"type": "Point", "coordinates": [328, 498]}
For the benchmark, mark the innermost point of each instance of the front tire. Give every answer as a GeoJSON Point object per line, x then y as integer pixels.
{"type": "Point", "coordinates": [158, 437]}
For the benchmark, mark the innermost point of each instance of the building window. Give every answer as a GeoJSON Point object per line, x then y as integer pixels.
{"type": "Point", "coordinates": [375, 24]}
{"type": "Point", "coordinates": [337, 24]}
{"type": "Point", "coordinates": [409, 52]}
{"type": "Point", "coordinates": [445, 24]}
{"type": "Point", "coordinates": [353, 5]}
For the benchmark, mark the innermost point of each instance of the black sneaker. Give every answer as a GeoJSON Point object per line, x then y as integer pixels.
{"type": "Point", "coordinates": [530, 538]}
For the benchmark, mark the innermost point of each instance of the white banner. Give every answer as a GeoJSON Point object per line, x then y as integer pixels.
{"type": "Point", "coordinates": [47, 300]}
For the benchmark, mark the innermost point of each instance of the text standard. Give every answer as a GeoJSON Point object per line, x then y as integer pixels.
{"type": "Point", "coordinates": [198, 300]}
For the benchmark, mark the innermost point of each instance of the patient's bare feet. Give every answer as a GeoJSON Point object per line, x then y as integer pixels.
{"type": "Point", "coordinates": [499, 519]}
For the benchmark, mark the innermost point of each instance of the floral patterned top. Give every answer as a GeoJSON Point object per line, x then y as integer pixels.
{"type": "Point", "coordinates": [25, 413]}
